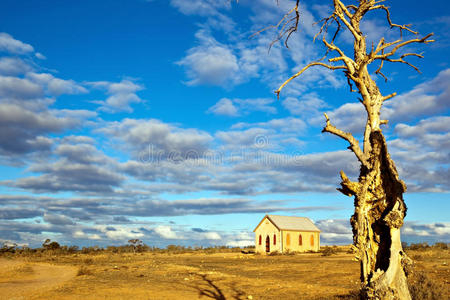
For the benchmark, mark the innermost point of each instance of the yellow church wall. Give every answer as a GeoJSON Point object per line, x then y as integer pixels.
{"type": "Point", "coordinates": [310, 241]}
{"type": "Point", "coordinates": [267, 229]}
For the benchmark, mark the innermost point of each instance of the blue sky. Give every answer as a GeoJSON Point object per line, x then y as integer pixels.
{"type": "Point", "coordinates": [157, 120]}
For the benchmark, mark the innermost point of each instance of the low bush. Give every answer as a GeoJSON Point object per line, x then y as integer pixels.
{"type": "Point", "coordinates": [328, 251]}
{"type": "Point", "coordinates": [83, 270]}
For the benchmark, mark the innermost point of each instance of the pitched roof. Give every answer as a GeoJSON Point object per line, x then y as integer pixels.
{"type": "Point", "coordinates": [291, 223]}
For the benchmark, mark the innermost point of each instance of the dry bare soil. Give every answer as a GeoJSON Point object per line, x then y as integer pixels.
{"type": "Point", "coordinates": [197, 275]}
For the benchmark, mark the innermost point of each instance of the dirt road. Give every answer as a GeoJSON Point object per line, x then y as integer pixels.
{"type": "Point", "coordinates": [24, 280]}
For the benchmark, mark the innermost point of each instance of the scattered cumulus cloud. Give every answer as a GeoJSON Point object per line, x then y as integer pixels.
{"type": "Point", "coordinates": [426, 99]}
{"type": "Point", "coordinates": [120, 95]}
{"type": "Point", "coordinates": [237, 107]}
{"type": "Point", "coordinates": [166, 232]}
{"type": "Point", "coordinates": [12, 66]}
{"type": "Point", "coordinates": [210, 63]}
{"type": "Point", "coordinates": [11, 45]}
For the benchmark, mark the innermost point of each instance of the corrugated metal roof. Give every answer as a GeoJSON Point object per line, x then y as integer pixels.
{"type": "Point", "coordinates": [293, 223]}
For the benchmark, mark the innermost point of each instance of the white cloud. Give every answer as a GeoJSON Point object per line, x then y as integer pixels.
{"type": "Point", "coordinates": [120, 233]}
{"type": "Point", "coordinates": [56, 86]}
{"type": "Point", "coordinates": [211, 236]}
{"type": "Point", "coordinates": [240, 243]}
{"type": "Point", "coordinates": [348, 117]}
{"type": "Point", "coordinates": [212, 10]}
{"type": "Point", "coordinates": [13, 46]}
{"type": "Point", "coordinates": [12, 66]}
{"type": "Point", "coordinates": [164, 139]}
{"type": "Point", "coordinates": [40, 56]}
{"type": "Point", "coordinates": [224, 107]}
{"type": "Point", "coordinates": [425, 99]}
{"type": "Point", "coordinates": [414, 232]}
{"type": "Point", "coordinates": [422, 152]}
{"type": "Point", "coordinates": [79, 234]}
{"type": "Point", "coordinates": [235, 58]}
{"type": "Point", "coordinates": [243, 138]}
{"type": "Point", "coordinates": [200, 7]}
{"type": "Point", "coordinates": [432, 125]}
{"type": "Point", "coordinates": [121, 95]}
{"type": "Point", "coordinates": [210, 63]}
{"type": "Point", "coordinates": [18, 88]}
{"type": "Point", "coordinates": [307, 105]}
{"type": "Point", "coordinates": [165, 232]}
{"type": "Point", "coordinates": [236, 107]}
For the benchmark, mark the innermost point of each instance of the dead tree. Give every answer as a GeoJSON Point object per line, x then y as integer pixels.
{"type": "Point", "coordinates": [379, 205]}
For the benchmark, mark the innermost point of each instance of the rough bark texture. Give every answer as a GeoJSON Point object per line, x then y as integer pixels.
{"type": "Point", "coordinates": [379, 205]}
{"type": "Point", "coordinates": [379, 214]}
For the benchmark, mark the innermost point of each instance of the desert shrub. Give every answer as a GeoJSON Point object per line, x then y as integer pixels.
{"type": "Point", "coordinates": [290, 253]}
{"type": "Point", "coordinates": [274, 253]}
{"type": "Point", "coordinates": [419, 246]}
{"type": "Point", "coordinates": [423, 288]}
{"type": "Point", "coordinates": [83, 270]}
{"type": "Point", "coordinates": [442, 246]}
{"type": "Point", "coordinates": [88, 261]}
{"type": "Point", "coordinates": [328, 251]}
{"type": "Point", "coordinates": [91, 250]}
{"type": "Point", "coordinates": [175, 249]}
{"type": "Point", "coordinates": [8, 247]}
{"type": "Point", "coordinates": [49, 245]}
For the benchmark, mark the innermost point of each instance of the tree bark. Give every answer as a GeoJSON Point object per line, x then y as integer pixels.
{"type": "Point", "coordinates": [379, 214]}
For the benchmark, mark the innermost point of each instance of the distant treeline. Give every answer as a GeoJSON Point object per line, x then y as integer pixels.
{"type": "Point", "coordinates": [133, 246]}
{"type": "Point", "coordinates": [419, 246]}
{"type": "Point", "coordinates": [137, 246]}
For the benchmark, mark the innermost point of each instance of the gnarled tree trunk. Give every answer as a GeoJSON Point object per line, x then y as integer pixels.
{"type": "Point", "coordinates": [379, 205]}
{"type": "Point", "coordinates": [379, 214]}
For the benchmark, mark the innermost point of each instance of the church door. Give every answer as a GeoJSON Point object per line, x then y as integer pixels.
{"type": "Point", "coordinates": [267, 244]}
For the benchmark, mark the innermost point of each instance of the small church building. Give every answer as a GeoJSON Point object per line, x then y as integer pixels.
{"type": "Point", "coordinates": [286, 234]}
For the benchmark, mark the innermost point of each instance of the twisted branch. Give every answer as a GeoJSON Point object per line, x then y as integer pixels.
{"type": "Point", "coordinates": [388, 17]}
{"type": "Point", "coordinates": [354, 144]}
{"type": "Point", "coordinates": [386, 56]}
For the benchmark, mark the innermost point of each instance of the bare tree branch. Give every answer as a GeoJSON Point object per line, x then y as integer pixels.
{"type": "Point", "coordinates": [284, 22]}
{"type": "Point", "coordinates": [304, 69]}
{"type": "Point", "coordinates": [388, 17]}
{"type": "Point", "coordinates": [389, 96]}
{"type": "Point", "coordinates": [354, 144]}
{"type": "Point", "coordinates": [341, 11]}
{"type": "Point", "coordinates": [348, 188]}
{"type": "Point", "coordinates": [400, 44]}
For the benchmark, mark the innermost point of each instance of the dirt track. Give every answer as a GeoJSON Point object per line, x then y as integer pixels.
{"type": "Point", "coordinates": [23, 280]}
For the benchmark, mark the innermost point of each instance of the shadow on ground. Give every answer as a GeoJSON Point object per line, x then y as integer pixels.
{"type": "Point", "coordinates": [207, 287]}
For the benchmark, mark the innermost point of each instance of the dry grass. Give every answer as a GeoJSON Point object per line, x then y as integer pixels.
{"type": "Point", "coordinates": [83, 270]}
{"type": "Point", "coordinates": [422, 288]}
{"type": "Point", "coordinates": [231, 275]}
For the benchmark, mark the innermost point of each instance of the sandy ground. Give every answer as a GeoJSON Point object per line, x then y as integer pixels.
{"type": "Point", "coordinates": [23, 280]}
{"type": "Point", "coordinates": [193, 276]}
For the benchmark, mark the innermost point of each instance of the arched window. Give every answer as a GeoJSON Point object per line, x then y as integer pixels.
{"type": "Point", "coordinates": [288, 239]}
{"type": "Point", "coordinates": [300, 241]}
{"type": "Point", "coordinates": [312, 240]}
{"type": "Point", "coordinates": [260, 239]}
{"type": "Point", "coordinates": [274, 239]}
